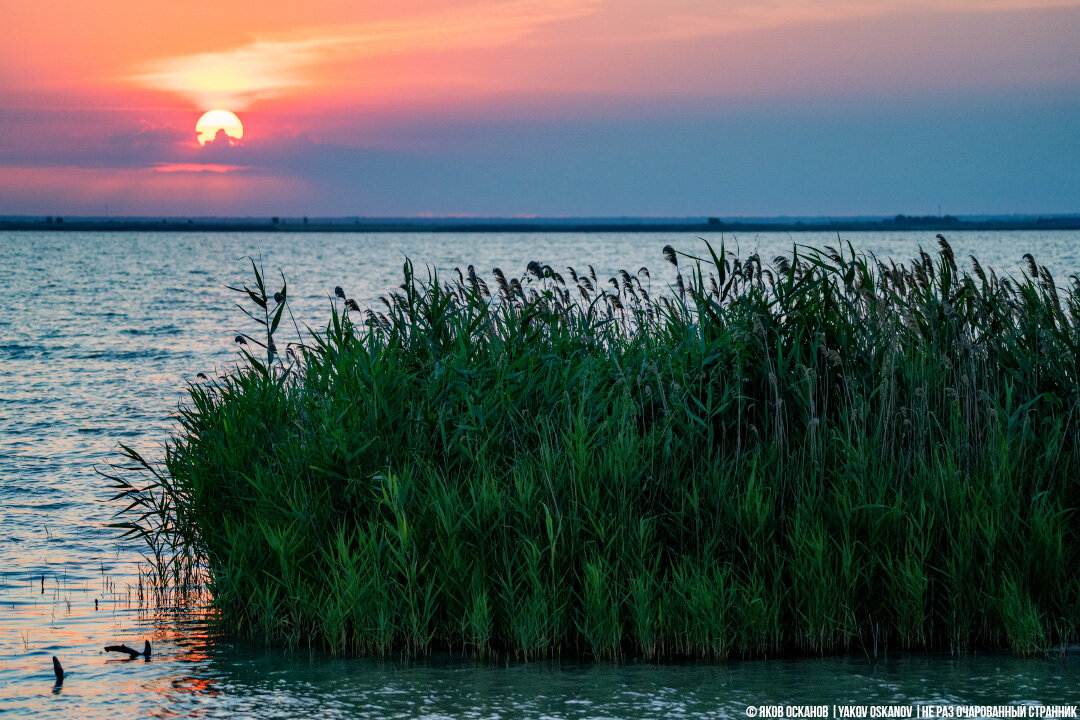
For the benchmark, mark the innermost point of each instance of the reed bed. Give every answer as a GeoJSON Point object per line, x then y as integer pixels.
{"type": "Point", "coordinates": [825, 453]}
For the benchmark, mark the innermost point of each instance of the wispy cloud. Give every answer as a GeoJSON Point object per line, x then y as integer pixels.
{"type": "Point", "coordinates": [269, 67]}
{"type": "Point", "coordinates": [751, 15]}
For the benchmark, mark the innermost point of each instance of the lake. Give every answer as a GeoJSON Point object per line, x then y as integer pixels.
{"type": "Point", "coordinates": [99, 334]}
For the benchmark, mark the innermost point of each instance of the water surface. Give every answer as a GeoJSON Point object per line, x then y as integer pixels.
{"type": "Point", "coordinates": [99, 334]}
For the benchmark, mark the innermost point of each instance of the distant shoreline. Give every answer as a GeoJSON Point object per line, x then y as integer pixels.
{"type": "Point", "coordinates": [454, 225]}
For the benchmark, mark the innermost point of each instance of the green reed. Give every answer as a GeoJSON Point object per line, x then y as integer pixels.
{"type": "Point", "coordinates": [827, 453]}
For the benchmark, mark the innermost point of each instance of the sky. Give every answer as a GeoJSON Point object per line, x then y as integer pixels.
{"type": "Point", "coordinates": [541, 107]}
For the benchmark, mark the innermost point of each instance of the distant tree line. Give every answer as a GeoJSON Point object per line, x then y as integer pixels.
{"type": "Point", "coordinates": [924, 220]}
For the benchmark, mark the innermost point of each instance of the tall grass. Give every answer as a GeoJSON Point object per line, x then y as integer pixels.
{"type": "Point", "coordinates": [825, 453]}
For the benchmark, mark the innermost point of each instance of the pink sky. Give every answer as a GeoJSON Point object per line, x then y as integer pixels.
{"type": "Point", "coordinates": [97, 98]}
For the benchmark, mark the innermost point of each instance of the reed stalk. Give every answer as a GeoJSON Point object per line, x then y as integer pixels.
{"type": "Point", "coordinates": [829, 452]}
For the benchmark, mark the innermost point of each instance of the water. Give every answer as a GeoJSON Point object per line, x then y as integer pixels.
{"type": "Point", "coordinates": [99, 333]}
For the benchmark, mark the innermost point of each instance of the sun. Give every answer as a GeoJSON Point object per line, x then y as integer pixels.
{"type": "Point", "coordinates": [215, 120]}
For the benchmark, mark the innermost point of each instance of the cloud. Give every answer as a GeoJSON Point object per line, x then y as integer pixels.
{"type": "Point", "coordinates": [127, 147]}
{"type": "Point", "coordinates": [168, 149]}
{"type": "Point", "coordinates": [684, 20]}
{"type": "Point", "coordinates": [269, 67]}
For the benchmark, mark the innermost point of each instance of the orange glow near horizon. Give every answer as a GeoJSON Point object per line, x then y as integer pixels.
{"type": "Point", "coordinates": [196, 168]}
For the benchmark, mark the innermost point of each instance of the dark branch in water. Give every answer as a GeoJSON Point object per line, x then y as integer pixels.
{"type": "Point", "coordinates": [130, 651]}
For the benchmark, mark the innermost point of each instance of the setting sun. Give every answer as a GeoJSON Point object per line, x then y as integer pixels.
{"type": "Point", "coordinates": [211, 122]}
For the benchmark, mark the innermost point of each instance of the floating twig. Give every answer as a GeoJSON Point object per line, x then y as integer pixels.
{"type": "Point", "coordinates": [130, 651]}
